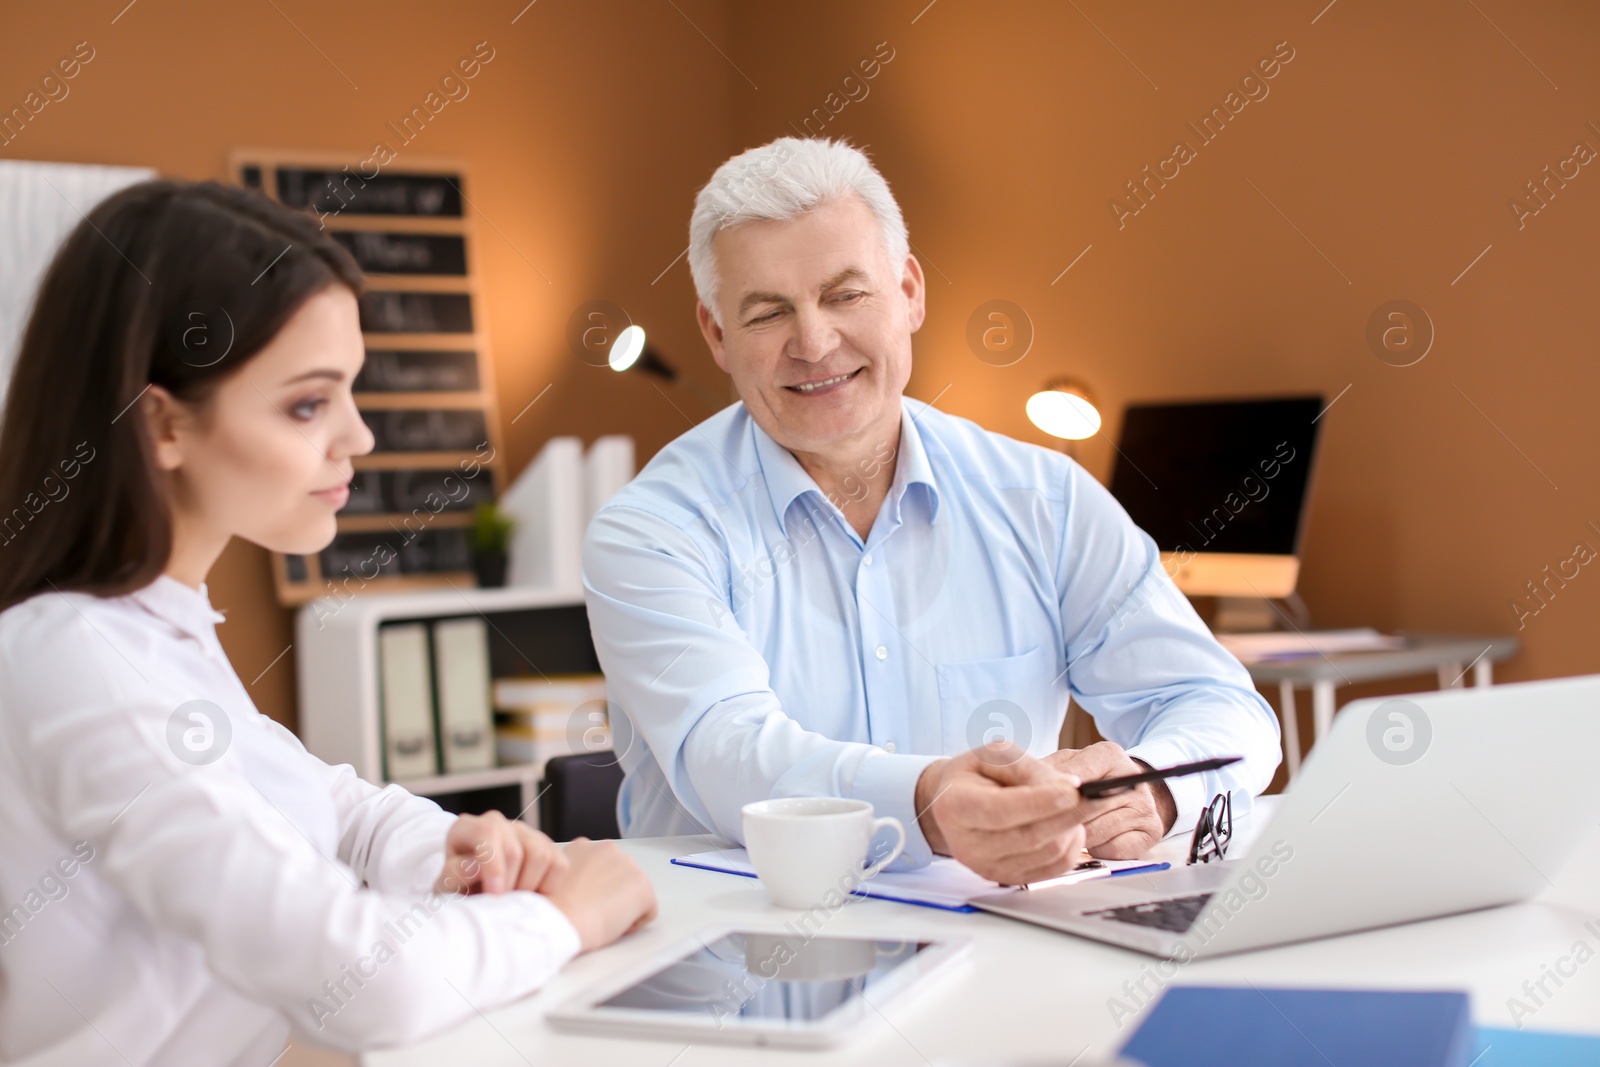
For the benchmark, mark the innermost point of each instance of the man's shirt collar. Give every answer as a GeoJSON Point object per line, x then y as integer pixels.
{"type": "Point", "coordinates": [787, 480]}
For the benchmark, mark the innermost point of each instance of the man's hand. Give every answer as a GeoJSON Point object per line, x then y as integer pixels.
{"type": "Point", "coordinates": [1003, 813]}
{"type": "Point", "coordinates": [1123, 826]}
{"type": "Point", "coordinates": [490, 853]}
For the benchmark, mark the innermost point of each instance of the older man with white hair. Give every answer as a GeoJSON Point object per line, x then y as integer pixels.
{"type": "Point", "coordinates": [831, 589]}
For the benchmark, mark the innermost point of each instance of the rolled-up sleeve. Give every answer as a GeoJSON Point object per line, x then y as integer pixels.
{"type": "Point", "coordinates": [696, 692]}
{"type": "Point", "coordinates": [1145, 666]}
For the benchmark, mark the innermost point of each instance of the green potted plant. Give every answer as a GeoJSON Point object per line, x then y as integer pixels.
{"type": "Point", "coordinates": [491, 540]}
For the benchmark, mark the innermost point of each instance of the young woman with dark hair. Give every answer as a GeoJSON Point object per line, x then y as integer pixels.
{"type": "Point", "coordinates": [185, 378]}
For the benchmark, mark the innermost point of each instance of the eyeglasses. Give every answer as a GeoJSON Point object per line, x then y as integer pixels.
{"type": "Point", "coordinates": [1213, 830]}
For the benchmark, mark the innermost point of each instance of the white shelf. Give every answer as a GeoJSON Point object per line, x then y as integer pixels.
{"type": "Point", "coordinates": [336, 649]}
{"type": "Point", "coordinates": [524, 773]}
{"type": "Point", "coordinates": [375, 607]}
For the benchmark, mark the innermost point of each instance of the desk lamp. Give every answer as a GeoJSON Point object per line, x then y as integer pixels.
{"type": "Point", "coordinates": [1064, 409]}
{"type": "Point", "coordinates": [632, 349]}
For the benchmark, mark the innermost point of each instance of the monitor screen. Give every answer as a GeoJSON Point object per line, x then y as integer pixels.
{"type": "Point", "coordinates": [1218, 476]}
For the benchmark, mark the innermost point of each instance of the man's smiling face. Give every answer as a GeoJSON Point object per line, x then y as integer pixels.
{"type": "Point", "coordinates": [816, 327]}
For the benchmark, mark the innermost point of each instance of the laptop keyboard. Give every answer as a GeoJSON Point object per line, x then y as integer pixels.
{"type": "Point", "coordinates": [1176, 914]}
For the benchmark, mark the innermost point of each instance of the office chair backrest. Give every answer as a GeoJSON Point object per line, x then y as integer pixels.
{"type": "Point", "coordinates": [578, 797]}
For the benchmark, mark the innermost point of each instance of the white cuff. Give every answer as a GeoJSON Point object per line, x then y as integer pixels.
{"type": "Point", "coordinates": [889, 782]}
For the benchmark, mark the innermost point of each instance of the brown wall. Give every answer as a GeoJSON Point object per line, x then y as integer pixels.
{"type": "Point", "coordinates": [1379, 165]}
{"type": "Point", "coordinates": [1393, 140]}
{"type": "Point", "coordinates": [587, 135]}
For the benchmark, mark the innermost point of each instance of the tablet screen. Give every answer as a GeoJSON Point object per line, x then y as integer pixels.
{"type": "Point", "coordinates": [768, 976]}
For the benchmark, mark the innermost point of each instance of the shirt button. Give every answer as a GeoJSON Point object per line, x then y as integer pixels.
{"type": "Point", "coordinates": [888, 746]}
{"type": "Point", "coordinates": [867, 559]}
{"type": "Point", "coordinates": [882, 653]}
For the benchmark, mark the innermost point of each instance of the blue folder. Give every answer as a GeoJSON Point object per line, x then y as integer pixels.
{"type": "Point", "coordinates": [1215, 1026]}
{"type": "Point", "coordinates": [1529, 1048]}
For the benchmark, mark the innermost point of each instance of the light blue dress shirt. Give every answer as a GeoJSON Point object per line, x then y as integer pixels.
{"type": "Point", "coordinates": [754, 646]}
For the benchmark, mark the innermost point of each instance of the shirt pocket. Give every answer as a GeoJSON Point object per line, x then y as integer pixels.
{"type": "Point", "coordinates": [1020, 699]}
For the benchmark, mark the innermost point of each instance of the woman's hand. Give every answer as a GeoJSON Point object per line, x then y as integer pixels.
{"type": "Point", "coordinates": [604, 893]}
{"type": "Point", "coordinates": [490, 853]}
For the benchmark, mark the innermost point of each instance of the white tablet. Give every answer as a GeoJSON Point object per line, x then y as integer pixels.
{"type": "Point", "coordinates": [777, 987]}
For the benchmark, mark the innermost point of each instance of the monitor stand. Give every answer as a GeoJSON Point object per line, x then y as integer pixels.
{"type": "Point", "coordinates": [1244, 614]}
{"type": "Point", "coordinates": [1253, 614]}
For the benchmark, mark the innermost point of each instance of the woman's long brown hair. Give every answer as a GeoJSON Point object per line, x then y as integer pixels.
{"type": "Point", "coordinates": [170, 283]}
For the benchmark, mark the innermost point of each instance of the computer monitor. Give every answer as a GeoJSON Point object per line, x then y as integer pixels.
{"type": "Point", "coordinates": [1222, 486]}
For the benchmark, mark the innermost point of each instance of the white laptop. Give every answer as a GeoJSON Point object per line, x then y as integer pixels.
{"type": "Point", "coordinates": [1412, 807]}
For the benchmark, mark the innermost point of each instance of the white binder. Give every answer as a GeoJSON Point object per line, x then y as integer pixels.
{"type": "Point", "coordinates": [546, 503]}
{"type": "Point", "coordinates": [466, 717]}
{"type": "Point", "coordinates": [552, 501]}
{"type": "Point", "coordinates": [408, 748]}
{"type": "Point", "coordinates": [607, 467]}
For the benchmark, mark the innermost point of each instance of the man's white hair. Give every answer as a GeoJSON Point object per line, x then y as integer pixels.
{"type": "Point", "coordinates": [780, 181]}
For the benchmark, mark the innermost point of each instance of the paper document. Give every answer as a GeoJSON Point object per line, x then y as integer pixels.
{"type": "Point", "coordinates": [1258, 648]}
{"type": "Point", "coordinates": [944, 883]}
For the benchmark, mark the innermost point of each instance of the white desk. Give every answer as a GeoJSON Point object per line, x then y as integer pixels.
{"type": "Point", "coordinates": [1450, 657]}
{"type": "Point", "coordinates": [1029, 993]}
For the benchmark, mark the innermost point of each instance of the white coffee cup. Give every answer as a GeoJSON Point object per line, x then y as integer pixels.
{"type": "Point", "coordinates": [807, 849]}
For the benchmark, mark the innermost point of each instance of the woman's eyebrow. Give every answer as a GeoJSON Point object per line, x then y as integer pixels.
{"type": "Point", "coordinates": [321, 372]}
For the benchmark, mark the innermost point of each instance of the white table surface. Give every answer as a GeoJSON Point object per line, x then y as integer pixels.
{"type": "Point", "coordinates": [1032, 994]}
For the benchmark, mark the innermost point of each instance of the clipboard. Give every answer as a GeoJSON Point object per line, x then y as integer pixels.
{"type": "Point", "coordinates": [945, 884]}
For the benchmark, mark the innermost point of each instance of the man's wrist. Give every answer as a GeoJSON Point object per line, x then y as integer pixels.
{"type": "Point", "coordinates": [923, 797]}
{"type": "Point", "coordinates": [1166, 806]}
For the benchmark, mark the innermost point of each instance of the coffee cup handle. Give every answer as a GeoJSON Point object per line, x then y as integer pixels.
{"type": "Point", "coordinates": [899, 847]}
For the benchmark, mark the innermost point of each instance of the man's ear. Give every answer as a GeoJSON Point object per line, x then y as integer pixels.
{"type": "Point", "coordinates": [165, 418]}
{"type": "Point", "coordinates": [712, 333]}
{"type": "Point", "coordinates": [915, 288]}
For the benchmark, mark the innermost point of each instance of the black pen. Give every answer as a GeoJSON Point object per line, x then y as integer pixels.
{"type": "Point", "coordinates": [1105, 787]}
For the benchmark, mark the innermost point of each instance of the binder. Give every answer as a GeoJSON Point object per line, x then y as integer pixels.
{"type": "Point", "coordinates": [552, 501]}
{"type": "Point", "coordinates": [546, 503]}
{"type": "Point", "coordinates": [1533, 1048]}
{"type": "Point", "coordinates": [1250, 1026]}
{"type": "Point", "coordinates": [607, 467]}
{"type": "Point", "coordinates": [407, 699]}
{"type": "Point", "coordinates": [466, 719]}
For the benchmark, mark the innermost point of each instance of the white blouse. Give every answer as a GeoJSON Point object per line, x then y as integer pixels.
{"type": "Point", "coordinates": [180, 880]}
